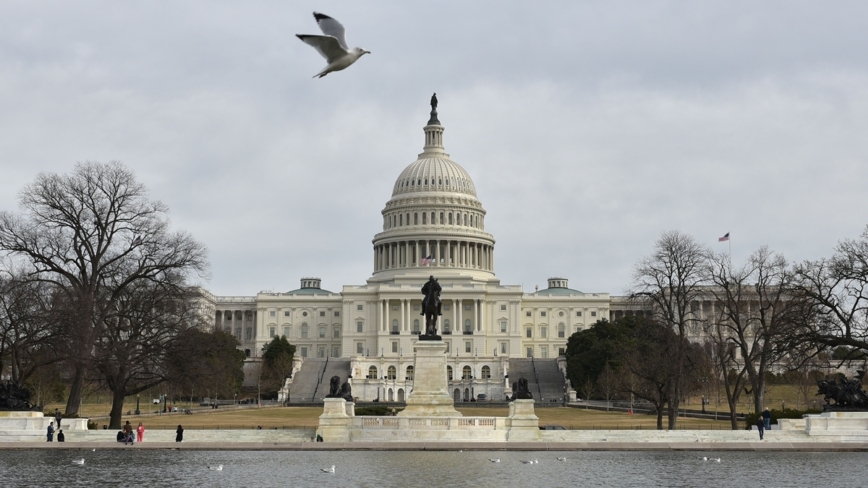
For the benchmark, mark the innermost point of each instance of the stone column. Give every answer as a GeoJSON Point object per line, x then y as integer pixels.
{"type": "Point", "coordinates": [437, 252]}
{"type": "Point", "coordinates": [403, 324]}
{"type": "Point", "coordinates": [460, 325]}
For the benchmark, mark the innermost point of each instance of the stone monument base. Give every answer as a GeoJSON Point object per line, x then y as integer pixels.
{"type": "Point", "coordinates": [33, 426]}
{"type": "Point", "coordinates": [430, 396]}
{"type": "Point", "coordinates": [840, 423]}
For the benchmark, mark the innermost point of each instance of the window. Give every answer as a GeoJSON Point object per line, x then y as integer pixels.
{"type": "Point", "coordinates": [446, 326]}
{"type": "Point", "coordinates": [561, 351]}
{"type": "Point", "coordinates": [486, 373]}
{"type": "Point", "coordinates": [530, 352]}
{"type": "Point", "coordinates": [450, 219]}
{"type": "Point", "coordinates": [304, 331]}
{"type": "Point", "coordinates": [543, 332]}
{"type": "Point", "coordinates": [336, 333]}
{"type": "Point", "coordinates": [466, 373]}
{"type": "Point", "coordinates": [238, 335]}
{"type": "Point", "coordinates": [503, 325]}
{"type": "Point", "coordinates": [445, 307]}
{"type": "Point", "coordinates": [468, 327]}
{"type": "Point", "coordinates": [322, 314]}
{"type": "Point", "coordinates": [394, 307]}
{"type": "Point", "coordinates": [542, 314]}
{"type": "Point", "coordinates": [503, 348]}
{"type": "Point", "coordinates": [560, 314]}
{"type": "Point", "coordinates": [442, 220]}
{"type": "Point", "coordinates": [578, 314]}
{"type": "Point", "coordinates": [544, 351]}
{"type": "Point", "coordinates": [272, 313]}
{"type": "Point", "coordinates": [593, 314]}
{"type": "Point", "coordinates": [372, 373]}
{"type": "Point", "coordinates": [337, 314]}
{"type": "Point", "coordinates": [410, 373]}
{"type": "Point", "coordinates": [416, 326]}
{"type": "Point", "coordinates": [249, 334]}
{"type": "Point", "coordinates": [394, 346]}
{"type": "Point", "coordinates": [562, 330]}
{"type": "Point", "coordinates": [360, 348]}
{"type": "Point", "coordinates": [360, 326]}
{"type": "Point", "coordinates": [395, 326]}
{"type": "Point", "coordinates": [416, 307]}
{"type": "Point", "coordinates": [467, 307]}
{"type": "Point", "coordinates": [527, 314]}
{"type": "Point", "coordinates": [304, 314]}
{"type": "Point", "coordinates": [322, 332]}
{"type": "Point", "coordinates": [271, 331]}
{"type": "Point", "coordinates": [415, 219]}
{"type": "Point", "coordinates": [286, 313]}
{"type": "Point", "coordinates": [502, 308]}
{"type": "Point", "coordinates": [448, 347]}
{"type": "Point", "coordinates": [468, 346]}
{"type": "Point", "coordinates": [449, 372]}
{"type": "Point", "coordinates": [529, 332]}
{"type": "Point", "coordinates": [303, 351]}
{"type": "Point", "coordinates": [360, 307]}
{"type": "Point", "coordinates": [336, 351]}
{"type": "Point", "coordinates": [424, 218]}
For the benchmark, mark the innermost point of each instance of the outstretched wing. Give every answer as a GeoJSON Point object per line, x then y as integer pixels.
{"type": "Point", "coordinates": [327, 46]}
{"type": "Point", "coordinates": [331, 27]}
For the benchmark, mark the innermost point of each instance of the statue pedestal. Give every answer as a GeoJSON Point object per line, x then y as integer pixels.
{"type": "Point", "coordinates": [430, 396]}
{"type": "Point", "coordinates": [334, 422]}
{"type": "Point", "coordinates": [522, 422]}
{"type": "Point", "coordinates": [33, 426]}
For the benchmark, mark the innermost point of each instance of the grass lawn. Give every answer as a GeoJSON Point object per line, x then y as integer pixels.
{"type": "Point", "coordinates": [296, 417]}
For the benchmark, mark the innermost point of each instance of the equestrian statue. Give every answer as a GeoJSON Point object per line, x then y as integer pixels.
{"type": "Point", "coordinates": [431, 309]}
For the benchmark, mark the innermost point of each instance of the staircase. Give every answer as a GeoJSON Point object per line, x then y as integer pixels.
{"type": "Point", "coordinates": [544, 379]}
{"type": "Point", "coordinates": [306, 380]}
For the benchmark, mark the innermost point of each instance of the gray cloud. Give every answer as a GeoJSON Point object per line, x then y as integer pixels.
{"type": "Point", "coordinates": [588, 127]}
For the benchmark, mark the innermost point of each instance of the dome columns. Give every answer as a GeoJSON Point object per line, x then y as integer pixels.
{"type": "Point", "coordinates": [444, 253]}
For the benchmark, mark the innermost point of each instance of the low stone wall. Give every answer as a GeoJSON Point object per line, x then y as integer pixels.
{"type": "Point", "coordinates": [25, 426]}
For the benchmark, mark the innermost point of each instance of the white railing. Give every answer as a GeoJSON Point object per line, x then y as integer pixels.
{"type": "Point", "coordinates": [429, 423]}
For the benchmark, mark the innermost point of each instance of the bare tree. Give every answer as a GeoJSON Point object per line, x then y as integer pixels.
{"type": "Point", "coordinates": [93, 234]}
{"type": "Point", "coordinates": [607, 383]}
{"type": "Point", "coordinates": [838, 290]}
{"type": "Point", "coordinates": [671, 280]}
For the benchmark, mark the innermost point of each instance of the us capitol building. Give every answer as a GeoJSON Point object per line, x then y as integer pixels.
{"type": "Point", "coordinates": [434, 224]}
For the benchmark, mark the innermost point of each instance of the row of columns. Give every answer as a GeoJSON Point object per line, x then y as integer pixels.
{"type": "Point", "coordinates": [477, 313]}
{"type": "Point", "coordinates": [239, 321]}
{"type": "Point", "coordinates": [453, 254]}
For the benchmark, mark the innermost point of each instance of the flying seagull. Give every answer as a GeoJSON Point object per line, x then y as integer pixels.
{"type": "Point", "coordinates": [332, 45]}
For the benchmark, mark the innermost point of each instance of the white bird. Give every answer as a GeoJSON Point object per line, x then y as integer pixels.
{"type": "Point", "coordinates": [562, 459]}
{"type": "Point", "coordinates": [329, 470]}
{"type": "Point", "coordinates": [94, 450]}
{"type": "Point", "coordinates": [715, 459]}
{"type": "Point", "coordinates": [78, 461]}
{"type": "Point", "coordinates": [495, 460]}
{"type": "Point", "coordinates": [333, 45]}
{"type": "Point", "coordinates": [536, 461]}
{"type": "Point", "coordinates": [704, 458]}
{"type": "Point", "coordinates": [527, 462]}
{"type": "Point", "coordinates": [219, 467]}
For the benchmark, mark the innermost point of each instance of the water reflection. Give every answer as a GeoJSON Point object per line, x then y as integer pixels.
{"type": "Point", "coordinates": [429, 469]}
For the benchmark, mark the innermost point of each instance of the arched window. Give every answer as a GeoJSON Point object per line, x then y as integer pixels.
{"type": "Point", "coordinates": [304, 330]}
{"type": "Point", "coordinates": [442, 219]}
{"type": "Point", "coordinates": [486, 372]}
{"type": "Point", "coordinates": [449, 372]}
{"type": "Point", "coordinates": [450, 218]}
{"type": "Point", "coordinates": [424, 218]}
{"type": "Point", "coordinates": [395, 326]}
{"type": "Point", "coordinates": [416, 326]}
{"type": "Point", "coordinates": [466, 373]}
{"type": "Point", "coordinates": [410, 373]}
{"type": "Point", "coordinates": [433, 221]}
{"type": "Point", "coordinates": [390, 373]}
{"type": "Point", "coordinates": [468, 327]}
{"type": "Point", "coordinates": [400, 220]}
{"type": "Point", "coordinates": [446, 326]}
{"type": "Point", "coordinates": [465, 220]}
{"type": "Point", "coordinates": [415, 219]}
{"type": "Point", "coordinates": [372, 373]}
{"type": "Point", "coordinates": [408, 218]}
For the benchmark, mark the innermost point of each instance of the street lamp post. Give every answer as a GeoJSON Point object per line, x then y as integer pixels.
{"type": "Point", "coordinates": [137, 405]}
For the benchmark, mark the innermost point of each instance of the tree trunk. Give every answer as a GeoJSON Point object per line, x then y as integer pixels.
{"type": "Point", "coordinates": [117, 410]}
{"type": "Point", "coordinates": [74, 401]}
{"type": "Point", "coordinates": [660, 417]}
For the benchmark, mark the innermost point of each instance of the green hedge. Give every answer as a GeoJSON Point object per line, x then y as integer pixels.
{"type": "Point", "coordinates": [377, 411]}
{"type": "Point", "coordinates": [787, 413]}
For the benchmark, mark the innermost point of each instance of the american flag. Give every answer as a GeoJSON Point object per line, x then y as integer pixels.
{"type": "Point", "coordinates": [427, 261]}
{"type": "Point", "coordinates": [724, 238]}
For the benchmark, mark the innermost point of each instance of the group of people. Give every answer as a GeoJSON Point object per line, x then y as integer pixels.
{"type": "Point", "coordinates": [126, 435]}
{"type": "Point", "coordinates": [764, 422]}
{"type": "Point", "coordinates": [57, 418]}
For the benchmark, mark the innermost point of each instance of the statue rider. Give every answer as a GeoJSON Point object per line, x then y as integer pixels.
{"type": "Point", "coordinates": [432, 287]}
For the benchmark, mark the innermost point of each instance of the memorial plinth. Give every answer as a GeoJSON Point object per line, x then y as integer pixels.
{"type": "Point", "coordinates": [430, 396]}
{"type": "Point", "coordinates": [334, 422]}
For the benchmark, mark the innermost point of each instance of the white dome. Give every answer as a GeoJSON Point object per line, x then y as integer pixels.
{"type": "Point", "coordinates": [434, 174]}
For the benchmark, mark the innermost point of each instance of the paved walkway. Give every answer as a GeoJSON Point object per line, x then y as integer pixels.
{"type": "Point", "coordinates": [451, 446]}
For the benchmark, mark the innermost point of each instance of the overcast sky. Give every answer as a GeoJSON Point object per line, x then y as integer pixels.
{"type": "Point", "coordinates": [588, 127]}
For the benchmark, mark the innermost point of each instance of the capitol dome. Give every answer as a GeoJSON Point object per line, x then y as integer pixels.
{"type": "Point", "coordinates": [434, 219]}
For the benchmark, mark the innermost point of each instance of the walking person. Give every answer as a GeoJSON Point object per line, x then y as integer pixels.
{"type": "Point", "coordinates": [57, 417]}
{"type": "Point", "coordinates": [180, 434]}
{"type": "Point", "coordinates": [760, 425]}
{"type": "Point", "coordinates": [140, 433]}
{"type": "Point", "coordinates": [51, 432]}
{"type": "Point", "coordinates": [767, 419]}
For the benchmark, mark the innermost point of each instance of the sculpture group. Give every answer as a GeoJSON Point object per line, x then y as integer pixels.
{"type": "Point", "coordinates": [847, 394]}
{"type": "Point", "coordinates": [338, 390]}
{"type": "Point", "coordinates": [15, 397]}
